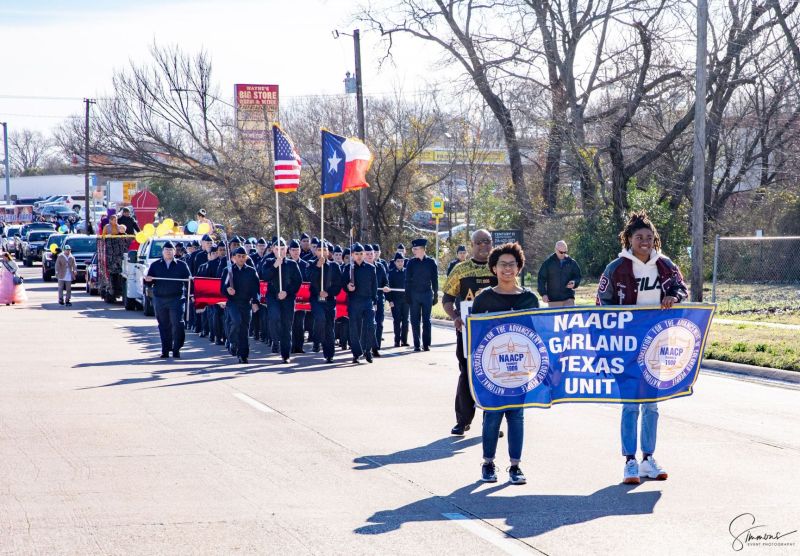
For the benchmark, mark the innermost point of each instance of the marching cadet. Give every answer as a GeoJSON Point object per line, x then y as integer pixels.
{"type": "Point", "coordinates": [397, 300]}
{"type": "Point", "coordinates": [326, 283]}
{"type": "Point", "coordinates": [343, 323]}
{"type": "Point", "coordinates": [461, 256]}
{"type": "Point", "coordinates": [168, 299]}
{"type": "Point", "coordinates": [370, 256]}
{"type": "Point", "coordinates": [401, 249]}
{"type": "Point", "coordinates": [207, 270]}
{"type": "Point", "coordinates": [346, 257]}
{"type": "Point", "coordinates": [241, 289]}
{"type": "Point", "coordinates": [266, 260]}
{"type": "Point", "coordinates": [299, 320]}
{"type": "Point", "coordinates": [362, 295]}
{"type": "Point", "coordinates": [305, 246]}
{"type": "Point", "coordinates": [201, 257]}
{"type": "Point", "coordinates": [256, 256]}
{"type": "Point", "coordinates": [422, 292]}
{"type": "Point", "coordinates": [280, 301]}
{"type": "Point", "coordinates": [191, 253]}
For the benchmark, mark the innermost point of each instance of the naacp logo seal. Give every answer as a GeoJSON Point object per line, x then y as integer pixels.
{"type": "Point", "coordinates": [510, 360]}
{"type": "Point", "coordinates": [669, 352]}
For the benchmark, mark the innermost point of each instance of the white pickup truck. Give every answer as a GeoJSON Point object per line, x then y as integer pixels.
{"type": "Point", "coordinates": [135, 267]}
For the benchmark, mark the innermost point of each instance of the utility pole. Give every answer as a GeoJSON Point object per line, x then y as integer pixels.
{"type": "Point", "coordinates": [5, 162]}
{"type": "Point", "coordinates": [88, 222]}
{"type": "Point", "coordinates": [362, 132]}
{"type": "Point", "coordinates": [699, 152]}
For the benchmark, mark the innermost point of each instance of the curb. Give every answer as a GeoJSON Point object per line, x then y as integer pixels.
{"type": "Point", "coordinates": [778, 375]}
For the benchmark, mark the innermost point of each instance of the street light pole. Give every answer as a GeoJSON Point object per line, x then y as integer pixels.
{"type": "Point", "coordinates": [5, 162]}
{"type": "Point", "coordinates": [699, 152]}
{"type": "Point", "coordinates": [362, 132]}
{"type": "Point", "coordinates": [88, 222]}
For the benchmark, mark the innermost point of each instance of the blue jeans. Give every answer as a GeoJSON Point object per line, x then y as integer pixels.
{"type": "Point", "coordinates": [516, 431]}
{"type": "Point", "coordinates": [629, 427]}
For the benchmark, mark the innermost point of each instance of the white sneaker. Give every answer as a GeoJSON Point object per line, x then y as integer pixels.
{"type": "Point", "coordinates": [649, 468]}
{"type": "Point", "coordinates": [631, 473]}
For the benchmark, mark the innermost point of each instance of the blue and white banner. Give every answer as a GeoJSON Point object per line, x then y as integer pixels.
{"type": "Point", "coordinates": [609, 354]}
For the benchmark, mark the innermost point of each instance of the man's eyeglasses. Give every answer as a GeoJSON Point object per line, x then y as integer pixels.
{"type": "Point", "coordinates": [562, 252]}
{"type": "Point", "coordinates": [482, 242]}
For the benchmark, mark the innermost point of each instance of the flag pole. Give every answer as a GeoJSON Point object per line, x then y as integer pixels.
{"type": "Point", "coordinates": [278, 226]}
{"type": "Point", "coordinates": [322, 245]}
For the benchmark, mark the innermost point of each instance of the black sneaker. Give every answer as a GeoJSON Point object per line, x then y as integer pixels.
{"type": "Point", "coordinates": [329, 359]}
{"type": "Point", "coordinates": [355, 360]}
{"type": "Point", "coordinates": [219, 343]}
{"type": "Point", "coordinates": [488, 472]}
{"type": "Point", "coordinates": [404, 344]}
{"type": "Point", "coordinates": [164, 356]}
{"type": "Point", "coordinates": [68, 304]}
{"type": "Point", "coordinates": [417, 349]}
{"type": "Point", "coordinates": [60, 301]}
{"type": "Point", "coordinates": [459, 430]}
{"type": "Point", "coordinates": [397, 344]}
{"type": "Point", "coordinates": [242, 359]}
{"type": "Point", "coordinates": [375, 352]}
{"type": "Point", "coordinates": [516, 476]}
{"type": "Point", "coordinates": [316, 348]}
{"type": "Point", "coordinates": [426, 348]}
{"type": "Point", "coordinates": [176, 354]}
{"type": "Point", "coordinates": [286, 360]}
{"type": "Point", "coordinates": [368, 357]}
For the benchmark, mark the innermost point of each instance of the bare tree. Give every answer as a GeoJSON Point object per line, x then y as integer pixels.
{"type": "Point", "coordinates": [29, 152]}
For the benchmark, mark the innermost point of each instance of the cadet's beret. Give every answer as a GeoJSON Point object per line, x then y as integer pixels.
{"type": "Point", "coordinates": [220, 245]}
{"type": "Point", "coordinates": [239, 251]}
{"type": "Point", "coordinates": [261, 241]}
{"type": "Point", "coordinates": [279, 242]}
{"type": "Point", "coordinates": [461, 248]}
{"type": "Point", "coordinates": [337, 249]}
{"type": "Point", "coordinates": [294, 244]}
{"type": "Point", "coordinates": [235, 239]}
{"type": "Point", "coordinates": [368, 247]}
{"type": "Point", "coordinates": [419, 242]}
{"type": "Point", "coordinates": [195, 243]}
{"type": "Point", "coordinates": [315, 240]}
{"type": "Point", "coordinates": [357, 248]}
{"type": "Point", "coordinates": [401, 246]}
{"type": "Point", "coordinates": [201, 212]}
{"type": "Point", "coordinates": [168, 245]}
{"type": "Point", "coordinates": [346, 252]}
{"type": "Point", "coordinates": [274, 239]}
{"type": "Point", "coordinates": [214, 246]}
{"type": "Point", "coordinates": [207, 237]}
{"type": "Point", "coordinates": [304, 236]}
{"type": "Point", "coordinates": [398, 256]}
{"type": "Point", "coordinates": [179, 244]}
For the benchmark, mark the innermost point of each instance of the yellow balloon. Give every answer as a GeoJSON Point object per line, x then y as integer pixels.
{"type": "Point", "coordinates": [140, 237]}
{"type": "Point", "coordinates": [203, 228]}
{"type": "Point", "coordinates": [169, 223]}
{"type": "Point", "coordinates": [53, 248]}
{"type": "Point", "coordinates": [162, 230]}
{"type": "Point", "coordinates": [149, 230]}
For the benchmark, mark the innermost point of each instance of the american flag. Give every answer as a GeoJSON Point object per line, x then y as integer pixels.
{"type": "Point", "coordinates": [287, 162]}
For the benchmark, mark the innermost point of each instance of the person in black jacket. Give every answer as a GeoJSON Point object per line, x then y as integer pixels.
{"type": "Point", "coordinates": [283, 280]}
{"type": "Point", "coordinates": [241, 289]}
{"type": "Point", "coordinates": [299, 319]}
{"type": "Point", "coordinates": [169, 296]}
{"type": "Point", "coordinates": [397, 300]}
{"type": "Point", "coordinates": [461, 256]}
{"type": "Point", "coordinates": [361, 297]}
{"type": "Point", "coordinates": [372, 256]}
{"type": "Point", "coordinates": [130, 223]}
{"type": "Point", "coordinates": [422, 292]}
{"type": "Point", "coordinates": [559, 275]}
{"type": "Point", "coordinates": [326, 283]}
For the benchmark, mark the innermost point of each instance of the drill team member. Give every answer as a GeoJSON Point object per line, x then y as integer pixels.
{"type": "Point", "coordinates": [382, 281]}
{"type": "Point", "coordinates": [362, 295]}
{"type": "Point", "coordinates": [206, 270]}
{"type": "Point", "coordinates": [461, 256]}
{"type": "Point", "coordinates": [343, 323]}
{"type": "Point", "coordinates": [397, 301]}
{"type": "Point", "coordinates": [422, 292]}
{"type": "Point", "coordinates": [168, 299]}
{"type": "Point", "coordinates": [280, 301]}
{"type": "Point", "coordinates": [299, 320]}
{"type": "Point", "coordinates": [241, 289]}
{"type": "Point", "coordinates": [323, 300]}
{"type": "Point", "coordinates": [467, 279]}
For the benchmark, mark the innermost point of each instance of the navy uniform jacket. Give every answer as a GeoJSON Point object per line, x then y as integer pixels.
{"type": "Point", "coordinates": [333, 281]}
{"type": "Point", "coordinates": [200, 258]}
{"type": "Point", "coordinates": [167, 288]}
{"type": "Point", "coordinates": [397, 279]}
{"type": "Point", "coordinates": [205, 270]}
{"type": "Point", "coordinates": [382, 279]}
{"type": "Point", "coordinates": [224, 264]}
{"type": "Point", "coordinates": [422, 276]}
{"type": "Point", "coordinates": [245, 282]}
{"type": "Point", "coordinates": [304, 266]}
{"type": "Point", "coordinates": [290, 274]}
{"type": "Point", "coordinates": [307, 255]}
{"type": "Point", "coordinates": [365, 280]}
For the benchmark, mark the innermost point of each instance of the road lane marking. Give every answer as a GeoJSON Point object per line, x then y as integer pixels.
{"type": "Point", "coordinates": [493, 536]}
{"type": "Point", "coordinates": [254, 403]}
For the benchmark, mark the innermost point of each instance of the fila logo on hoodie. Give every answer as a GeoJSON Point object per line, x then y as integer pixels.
{"type": "Point", "coordinates": [647, 279]}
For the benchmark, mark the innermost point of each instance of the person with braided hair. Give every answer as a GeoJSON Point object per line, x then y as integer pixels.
{"type": "Point", "coordinates": [641, 275]}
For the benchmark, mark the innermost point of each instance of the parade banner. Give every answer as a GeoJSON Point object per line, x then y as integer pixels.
{"type": "Point", "coordinates": [206, 292]}
{"type": "Point", "coordinates": [607, 354]}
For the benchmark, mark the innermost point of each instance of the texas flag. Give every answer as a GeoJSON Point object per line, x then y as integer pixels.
{"type": "Point", "coordinates": [344, 164]}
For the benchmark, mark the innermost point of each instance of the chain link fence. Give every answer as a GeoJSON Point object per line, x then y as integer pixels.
{"type": "Point", "coordinates": [756, 274]}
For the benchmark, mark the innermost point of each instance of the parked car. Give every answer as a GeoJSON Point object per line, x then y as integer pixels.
{"type": "Point", "coordinates": [12, 235]}
{"type": "Point", "coordinates": [36, 226]}
{"type": "Point", "coordinates": [48, 259]}
{"type": "Point", "coordinates": [59, 211]}
{"type": "Point", "coordinates": [458, 231]}
{"type": "Point", "coordinates": [33, 245]}
{"type": "Point", "coordinates": [45, 201]}
{"type": "Point", "coordinates": [83, 249]}
{"type": "Point", "coordinates": [91, 276]}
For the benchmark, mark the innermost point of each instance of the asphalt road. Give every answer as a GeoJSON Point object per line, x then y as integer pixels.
{"type": "Point", "coordinates": [105, 449]}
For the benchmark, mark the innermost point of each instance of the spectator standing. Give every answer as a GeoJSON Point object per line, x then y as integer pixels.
{"type": "Point", "coordinates": [130, 223]}
{"type": "Point", "coordinates": [559, 276]}
{"type": "Point", "coordinates": [66, 274]}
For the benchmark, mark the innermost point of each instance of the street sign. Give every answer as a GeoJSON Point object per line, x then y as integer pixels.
{"type": "Point", "coordinates": [128, 189]}
{"type": "Point", "coordinates": [499, 237]}
{"type": "Point", "coordinates": [437, 206]}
